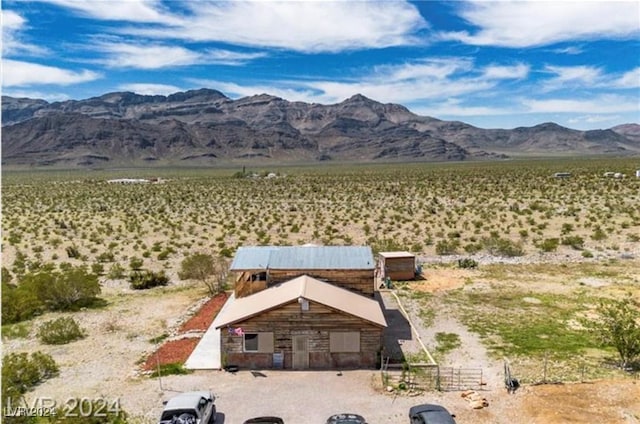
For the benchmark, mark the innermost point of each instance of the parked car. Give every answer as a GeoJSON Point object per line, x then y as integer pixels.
{"type": "Point", "coordinates": [346, 419]}
{"type": "Point", "coordinates": [430, 414]}
{"type": "Point", "coordinates": [190, 408]}
{"type": "Point", "coordinates": [264, 420]}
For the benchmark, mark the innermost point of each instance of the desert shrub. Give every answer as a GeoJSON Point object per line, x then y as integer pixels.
{"type": "Point", "coordinates": [549, 245]}
{"type": "Point", "coordinates": [19, 330]}
{"type": "Point", "coordinates": [62, 330]}
{"type": "Point", "coordinates": [598, 234]}
{"type": "Point", "coordinates": [105, 257]}
{"type": "Point", "coordinates": [212, 271]}
{"type": "Point", "coordinates": [502, 247]}
{"type": "Point", "coordinates": [467, 263]}
{"type": "Point", "coordinates": [66, 289]}
{"type": "Point", "coordinates": [587, 254]}
{"type": "Point", "coordinates": [135, 263]}
{"type": "Point", "coordinates": [72, 251]}
{"type": "Point", "coordinates": [18, 303]}
{"type": "Point", "coordinates": [447, 247]}
{"type": "Point", "coordinates": [576, 242]}
{"type": "Point", "coordinates": [97, 268]}
{"type": "Point", "coordinates": [472, 248]}
{"type": "Point", "coordinates": [116, 271]}
{"type": "Point", "coordinates": [147, 279]}
{"type": "Point", "coordinates": [21, 372]}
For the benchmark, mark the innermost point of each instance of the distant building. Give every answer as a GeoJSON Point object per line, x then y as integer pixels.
{"type": "Point", "coordinates": [562, 174]}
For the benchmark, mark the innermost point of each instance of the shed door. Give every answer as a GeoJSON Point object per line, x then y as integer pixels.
{"type": "Point", "coordinates": [300, 352]}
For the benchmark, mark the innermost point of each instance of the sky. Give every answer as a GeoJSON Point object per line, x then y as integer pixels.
{"type": "Point", "coordinates": [490, 64]}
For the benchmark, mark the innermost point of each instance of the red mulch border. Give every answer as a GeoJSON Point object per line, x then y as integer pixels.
{"type": "Point", "coordinates": [178, 351]}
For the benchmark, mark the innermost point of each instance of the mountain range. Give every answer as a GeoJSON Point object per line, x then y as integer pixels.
{"type": "Point", "coordinates": [204, 127]}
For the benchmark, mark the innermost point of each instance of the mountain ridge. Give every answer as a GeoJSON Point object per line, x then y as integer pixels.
{"type": "Point", "coordinates": [205, 127]}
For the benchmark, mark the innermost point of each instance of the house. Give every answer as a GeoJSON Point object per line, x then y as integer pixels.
{"type": "Point", "coordinates": [260, 267]}
{"type": "Point", "coordinates": [302, 323]}
{"type": "Point", "coordinates": [398, 266]}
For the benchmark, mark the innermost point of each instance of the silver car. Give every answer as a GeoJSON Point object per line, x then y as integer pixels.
{"type": "Point", "coordinates": [190, 408]}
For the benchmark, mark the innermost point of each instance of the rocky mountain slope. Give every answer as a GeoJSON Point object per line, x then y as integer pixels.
{"type": "Point", "coordinates": [205, 127]}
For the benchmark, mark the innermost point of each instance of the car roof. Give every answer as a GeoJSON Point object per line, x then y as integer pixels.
{"type": "Point", "coordinates": [435, 413]}
{"type": "Point", "coordinates": [187, 400]}
{"type": "Point", "coordinates": [265, 420]}
{"type": "Point", "coordinates": [347, 417]}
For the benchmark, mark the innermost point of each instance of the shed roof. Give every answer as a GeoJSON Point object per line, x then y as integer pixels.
{"type": "Point", "coordinates": [307, 288]}
{"type": "Point", "coordinates": [396, 255]}
{"type": "Point", "coordinates": [302, 257]}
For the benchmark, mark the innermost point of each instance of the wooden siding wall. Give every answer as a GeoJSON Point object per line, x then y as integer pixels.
{"type": "Point", "coordinates": [399, 269]}
{"type": "Point", "coordinates": [358, 281]}
{"type": "Point", "coordinates": [316, 324]}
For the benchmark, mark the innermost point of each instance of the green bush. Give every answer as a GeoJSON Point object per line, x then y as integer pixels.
{"type": "Point", "coordinates": [18, 303]}
{"type": "Point", "coordinates": [69, 289]}
{"type": "Point", "coordinates": [576, 242]}
{"type": "Point", "coordinates": [60, 331]}
{"type": "Point", "coordinates": [175, 368]}
{"type": "Point", "coordinates": [549, 245]}
{"type": "Point", "coordinates": [147, 279]}
{"type": "Point", "coordinates": [116, 272]}
{"type": "Point", "coordinates": [73, 251]}
{"type": "Point", "coordinates": [447, 247]}
{"type": "Point", "coordinates": [467, 263]}
{"type": "Point", "coordinates": [21, 373]}
{"type": "Point", "coordinates": [135, 263]}
{"type": "Point", "coordinates": [502, 247]}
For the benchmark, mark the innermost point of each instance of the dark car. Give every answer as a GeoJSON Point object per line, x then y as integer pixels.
{"type": "Point", "coordinates": [430, 414]}
{"type": "Point", "coordinates": [346, 419]}
{"type": "Point", "coordinates": [189, 408]}
{"type": "Point", "coordinates": [265, 420]}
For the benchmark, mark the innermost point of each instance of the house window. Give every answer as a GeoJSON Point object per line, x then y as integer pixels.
{"type": "Point", "coordinates": [344, 341]}
{"type": "Point", "coordinates": [258, 342]}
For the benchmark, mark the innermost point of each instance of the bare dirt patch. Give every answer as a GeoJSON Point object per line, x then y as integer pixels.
{"type": "Point", "coordinates": [442, 279]}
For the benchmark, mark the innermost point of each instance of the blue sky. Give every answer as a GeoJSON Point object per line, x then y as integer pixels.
{"type": "Point", "coordinates": [491, 64]}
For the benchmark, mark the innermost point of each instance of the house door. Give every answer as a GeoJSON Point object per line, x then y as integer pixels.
{"type": "Point", "coordinates": [300, 352]}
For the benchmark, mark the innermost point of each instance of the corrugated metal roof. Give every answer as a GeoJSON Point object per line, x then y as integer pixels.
{"type": "Point", "coordinates": [302, 257]}
{"type": "Point", "coordinates": [307, 288]}
{"type": "Point", "coordinates": [396, 255]}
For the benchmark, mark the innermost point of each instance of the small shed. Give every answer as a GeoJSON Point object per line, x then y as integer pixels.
{"type": "Point", "coordinates": [302, 323]}
{"type": "Point", "coordinates": [398, 266]}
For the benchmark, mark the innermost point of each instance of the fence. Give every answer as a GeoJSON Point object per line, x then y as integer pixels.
{"type": "Point", "coordinates": [432, 377]}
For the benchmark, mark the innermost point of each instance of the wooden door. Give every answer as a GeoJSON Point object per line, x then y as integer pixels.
{"type": "Point", "coordinates": [300, 352]}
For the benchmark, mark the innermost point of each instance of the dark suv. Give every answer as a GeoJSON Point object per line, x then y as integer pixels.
{"type": "Point", "coordinates": [430, 414]}
{"type": "Point", "coordinates": [346, 419]}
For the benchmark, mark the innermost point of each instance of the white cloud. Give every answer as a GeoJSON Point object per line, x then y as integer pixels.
{"type": "Point", "coordinates": [306, 26]}
{"type": "Point", "coordinates": [18, 73]}
{"type": "Point", "coordinates": [148, 11]}
{"type": "Point", "coordinates": [12, 26]}
{"type": "Point", "coordinates": [150, 89]}
{"type": "Point", "coordinates": [537, 23]}
{"type": "Point", "coordinates": [456, 108]}
{"type": "Point", "coordinates": [629, 79]}
{"type": "Point", "coordinates": [603, 104]}
{"type": "Point", "coordinates": [506, 72]}
{"type": "Point", "coordinates": [566, 77]}
{"type": "Point", "coordinates": [155, 56]}
{"type": "Point", "coordinates": [429, 79]}
{"type": "Point", "coordinates": [573, 50]}
{"type": "Point", "coordinates": [593, 119]}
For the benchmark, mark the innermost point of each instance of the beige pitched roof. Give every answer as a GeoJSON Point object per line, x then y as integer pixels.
{"type": "Point", "coordinates": [307, 288]}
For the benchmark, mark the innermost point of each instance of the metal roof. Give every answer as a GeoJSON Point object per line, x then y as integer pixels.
{"type": "Point", "coordinates": [302, 257]}
{"type": "Point", "coordinates": [396, 255]}
{"type": "Point", "coordinates": [304, 287]}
